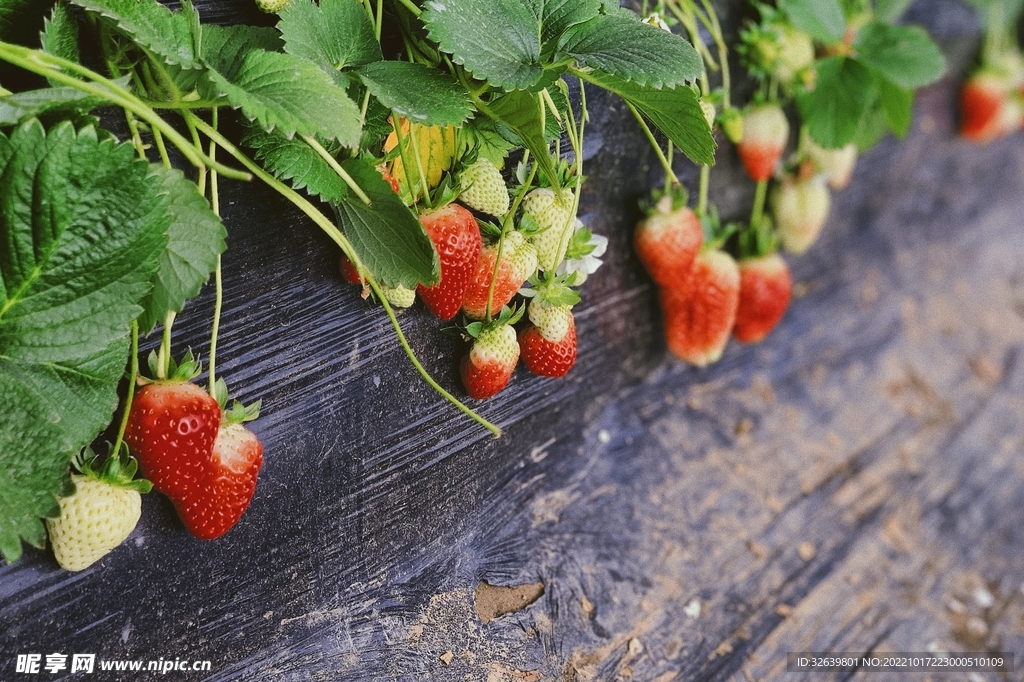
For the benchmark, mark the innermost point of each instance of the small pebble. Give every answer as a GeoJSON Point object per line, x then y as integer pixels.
{"type": "Point", "coordinates": [692, 610]}
{"type": "Point", "coordinates": [604, 436]}
{"type": "Point", "coordinates": [806, 550]}
{"type": "Point", "coordinates": [984, 598]}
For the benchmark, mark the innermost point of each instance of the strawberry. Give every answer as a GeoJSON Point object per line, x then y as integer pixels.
{"type": "Point", "coordinates": [836, 164]}
{"type": "Point", "coordinates": [389, 178]}
{"type": "Point", "coordinates": [349, 272]}
{"type": "Point", "coordinates": [553, 214]}
{"type": "Point", "coordinates": [988, 109]}
{"type": "Point", "coordinates": [765, 289]}
{"type": "Point", "coordinates": [800, 208]}
{"type": "Point", "coordinates": [700, 315]}
{"type": "Point", "coordinates": [228, 486]}
{"type": "Point", "coordinates": [548, 346]}
{"type": "Point", "coordinates": [795, 53]}
{"type": "Point", "coordinates": [100, 514]}
{"type": "Point", "coordinates": [272, 6]}
{"type": "Point", "coordinates": [399, 297]}
{"type": "Point", "coordinates": [491, 361]}
{"type": "Point", "coordinates": [456, 236]}
{"type": "Point", "coordinates": [668, 240]}
{"type": "Point", "coordinates": [484, 188]}
{"type": "Point", "coordinates": [765, 134]}
{"type": "Point", "coordinates": [518, 263]}
{"type": "Point", "coordinates": [171, 428]}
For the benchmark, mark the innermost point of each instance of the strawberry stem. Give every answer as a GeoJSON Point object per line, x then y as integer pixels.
{"type": "Point", "coordinates": [331, 230]}
{"type": "Point", "coordinates": [494, 275]}
{"type": "Point", "coordinates": [419, 165]}
{"type": "Point", "coordinates": [133, 374]}
{"type": "Point", "coordinates": [218, 299]}
{"type": "Point", "coordinates": [336, 167]}
{"type": "Point", "coordinates": [654, 143]}
{"type": "Point", "coordinates": [757, 215]}
{"type": "Point", "coordinates": [56, 68]}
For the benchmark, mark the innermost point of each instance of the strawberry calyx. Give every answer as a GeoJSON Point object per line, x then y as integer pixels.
{"type": "Point", "coordinates": [716, 234]}
{"type": "Point", "coordinates": [665, 201]}
{"type": "Point", "coordinates": [553, 290]}
{"type": "Point", "coordinates": [237, 413]}
{"type": "Point", "coordinates": [117, 469]}
{"type": "Point", "coordinates": [188, 369]}
{"type": "Point", "coordinates": [758, 240]}
{"type": "Point", "coordinates": [508, 315]}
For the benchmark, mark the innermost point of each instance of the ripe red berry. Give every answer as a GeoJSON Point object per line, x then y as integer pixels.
{"type": "Point", "coordinates": [456, 236]}
{"type": "Point", "coordinates": [766, 287]}
{"type": "Point", "coordinates": [700, 315]}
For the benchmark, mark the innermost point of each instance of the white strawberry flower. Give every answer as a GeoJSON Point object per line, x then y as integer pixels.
{"type": "Point", "coordinates": [589, 259]}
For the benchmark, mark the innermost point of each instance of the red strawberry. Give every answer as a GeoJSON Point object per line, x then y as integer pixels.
{"type": "Point", "coordinates": [456, 236]}
{"type": "Point", "coordinates": [990, 107]}
{"type": "Point", "coordinates": [349, 272]}
{"type": "Point", "coordinates": [765, 289]}
{"type": "Point", "coordinates": [518, 262]}
{"type": "Point", "coordinates": [491, 361]}
{"type": "Point", "coordinates": [700, 315]}
{"type": "Point", "coordinates": [765, 134]}
{"type": "Point", "coordinates": [668, 242]}
{"type": "Point", "coordinates": [548, 345]}
{"type": "Point", "coordinates": [171, 429]}
{"type": "Point", "coordinates": [229, 483]}
{"type": "Point", "coordinates": [390, 179]}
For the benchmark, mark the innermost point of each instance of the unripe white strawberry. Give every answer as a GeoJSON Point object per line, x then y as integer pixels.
{"type": "Point", "coordinates": [553, 213]}
{"type": "Point", "coordinates": [485, 189]}
{"type": "Point", "coordinates": [272, 6]}
{"type": "Point", "coordinates": [835, 164]}
{"type": "Point", "coordinates": [522, 253]}
{"type": "Point", "coordinates": [709, 112]}
{"type": "Point", "coordinates": [399, 297]}
{"type": "Point", "coordinates": [552, 321]}
{"type": "Point", "coordinates": [93, 521]}
{"type": "Point", "coordinates": [765, 134]}
{"type": "Point", "coordinates": [795, 52]}
{"type": "Point", "coordinates": [800, 209]}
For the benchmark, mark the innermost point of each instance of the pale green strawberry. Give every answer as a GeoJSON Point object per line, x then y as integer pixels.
{"type": "Point", "coordinates": [272, 6]}
{"type": "Point", "coordinates": [552, 321]}
{"type": "Point", "coordinates": [800, 208]}
{"type": "Point", "coordinates": [93, 521]}
{"type": "Point", "coordinates": [836, 165]}
{"type": "Point", "coordinates": [485, 189]}
{"type": "Point", "coordinates": [523, 255]}
{"type": "Point", "coordinates": [553, 213]}
{"type": "Point", "coordinates": [709, 112]}
{"type": "Point", "coordinates": [399, 297]}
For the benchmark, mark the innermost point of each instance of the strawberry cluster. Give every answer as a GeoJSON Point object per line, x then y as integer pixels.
{"type": "Point", "coordinates": [537, 249]}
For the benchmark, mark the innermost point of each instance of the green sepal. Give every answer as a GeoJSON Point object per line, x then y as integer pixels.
{"type": "Point", "coordinates": [758, 240]}
{"type": "Point", "coordinates": [678, 195]}
{"type": "Point", "coordinates": [237, 413]}
{"type": "Point", "coordinates": [715, 233]}
{"type": "Point", "coordinates": [117, 469]}
{"type": "Point", "coordinates": [579, 244]}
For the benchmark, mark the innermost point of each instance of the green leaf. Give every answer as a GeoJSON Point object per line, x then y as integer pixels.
{"type": "Point", "coordinates": [417, 92]}
{"type": "Point", "coordinates": [61, 100]}
{"type": "Point", "coordinates": [903, 54]}
{"type": "Point", "coordinates": [503, 41]}
{"type": "Point", "coordinates": [822, 19]}
{"type": "Point", "coordinates": [633, 51]}
{"type": "Point", "coordinates": [196, 237]}
{"type": "Point", "coordinates": [520, 111]}
{"type": "Point", "coordinates": [60, 35]}
{"type": "Point", "coordinates": [82, 224]}
{"type": "Point", "coordinates": [844, 90]}
{"type": "Point", "coordinates": [675, 111]}
{"type": "Point", "coordinates": [389, 239]}
{"type": "Point", "coordinates": [898, 106]}
{"type": "Point", "coordinates": [160, 31]}
{"type": "Point", "coordinates": [81, 234]}
{"type": "Point", "coordinates": [480, 135]}
{"type": "Point", "coordinates": [891, 10]}
{"type": "Point", "coordinates": [296, 161]}
{"type": "Point", "coordinates": [283, 92]}
{"type": "Point", "coordinates": [335, 35]}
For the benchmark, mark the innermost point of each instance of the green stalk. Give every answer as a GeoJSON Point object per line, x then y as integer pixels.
{"type": "Point", "coordinates": [419, 165]}
{"type": "Point", "coordinates": [494, 276]}
{"type": "Point", "coordinates": [403, 154]}
{"type": "Point", "coordinates": [133, 374]}
{"type": "Point", "coordinates": [333, 163]}
{"type": "Point", "coordinates": [757, 215]}
{"type": "Point", "coordinates": [218, 284]}
{"type": "Point", "coordinates": [702, 196]}
{"type": "Point", "coordinates": [52, 67]}
{"type": "Point", "coordinates": [416, 11]}
{"type": "Point", "coordinates": [163, 357]}
{"type": "Point", "coordinates": [654, 143]}
{"type": "Point", "coordinates": [338, 238]}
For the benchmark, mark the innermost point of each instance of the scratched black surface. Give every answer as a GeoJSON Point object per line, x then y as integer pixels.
{"type": "Point", "coordinates": [862, 468]}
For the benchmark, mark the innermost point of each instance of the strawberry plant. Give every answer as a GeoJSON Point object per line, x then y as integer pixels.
{"type": "Point", "coordinates": [108, 241]}
{"type": "Point", "coordinates": [992, 98]}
